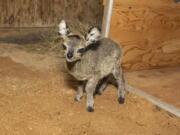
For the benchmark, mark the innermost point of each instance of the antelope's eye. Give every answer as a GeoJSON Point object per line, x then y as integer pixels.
{"type": "Point", "coordinates": [81, 50]}
{"type": "Point", "coordinates": [64, 47]}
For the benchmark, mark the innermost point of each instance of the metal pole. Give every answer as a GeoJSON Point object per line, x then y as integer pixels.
{"type": "Point", "coordinates": [107, 18]}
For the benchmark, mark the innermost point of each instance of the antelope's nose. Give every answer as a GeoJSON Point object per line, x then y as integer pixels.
{"type": "Point", "coordinates": [69, 55]}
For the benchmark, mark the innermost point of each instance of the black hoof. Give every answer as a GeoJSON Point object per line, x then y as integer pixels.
{"type": "Point", "coordinates": [121, 100]}
{"type": "Point", "coordinates": [99, 93]}
{"type": "Point", "coordinates": [76, 100]}
{"type": "Point", "coordinates": [90, 109]}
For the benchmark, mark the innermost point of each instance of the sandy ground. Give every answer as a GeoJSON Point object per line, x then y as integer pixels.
{"type": "Point", "coordinates": [36, 98]}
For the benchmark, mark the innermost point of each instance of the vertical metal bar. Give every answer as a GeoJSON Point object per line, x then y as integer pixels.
{"type": "Point", "coordinates": [107, 18]}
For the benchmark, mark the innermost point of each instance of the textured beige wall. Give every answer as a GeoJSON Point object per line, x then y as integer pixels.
{"type": "Point", "coordinates": [45, 13]}
{"type": "Point", "coordinates": [149, 32]}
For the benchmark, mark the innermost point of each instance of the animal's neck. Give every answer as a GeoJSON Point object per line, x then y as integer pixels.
{"type": "Point", "coordinates": [71, 66]}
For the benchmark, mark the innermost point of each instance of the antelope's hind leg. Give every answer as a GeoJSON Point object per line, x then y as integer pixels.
{"type": "Point", "coordinates": [118, 75]}
{"type": "Point", "coordinates": [102, 85]}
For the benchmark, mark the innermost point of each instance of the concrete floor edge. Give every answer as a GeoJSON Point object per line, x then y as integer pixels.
{"type": "Point", "coordinates": [155, 101]}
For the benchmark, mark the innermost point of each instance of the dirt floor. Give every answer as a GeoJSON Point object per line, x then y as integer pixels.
{"type": "Point", "coordinates": [36, 98]}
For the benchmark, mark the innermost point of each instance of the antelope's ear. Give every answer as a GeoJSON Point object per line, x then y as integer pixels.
{"type": "Point", "coordinates": [92, 36]}
{"type": "Point", "coordinates": [63, 29]}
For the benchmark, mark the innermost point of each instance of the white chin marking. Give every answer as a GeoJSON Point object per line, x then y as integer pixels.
{"type": "Point", "coordinates": [70, 60]}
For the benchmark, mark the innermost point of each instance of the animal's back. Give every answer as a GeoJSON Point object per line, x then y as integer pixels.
{"type": "Point", "coordinates": [99, 59]}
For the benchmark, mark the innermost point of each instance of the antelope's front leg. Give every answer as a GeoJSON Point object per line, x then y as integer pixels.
{"type": "Point", "coordinates": [90, 88]}
{"type": "Point", "coordinates": [79, 91]}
